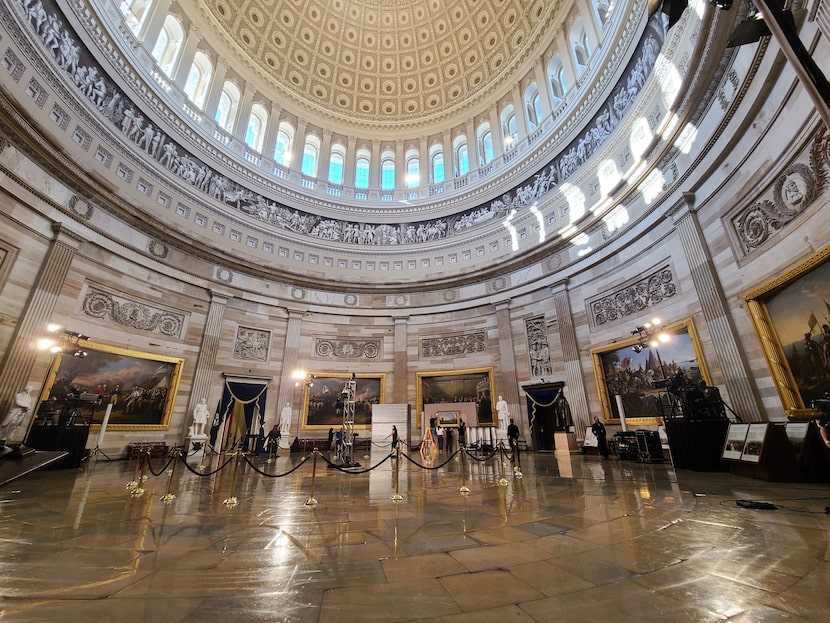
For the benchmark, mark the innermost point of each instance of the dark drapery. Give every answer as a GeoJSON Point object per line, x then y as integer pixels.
{"type": "Point", "coordinates": [243, 407]}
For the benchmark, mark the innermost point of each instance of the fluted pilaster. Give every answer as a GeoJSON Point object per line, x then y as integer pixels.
{"type": "Point", "coordinates": [740, 388]}
{"type": "Point", "coordinates": [208, 349]}
{"type": "Point", "coordinates": [21, 354]}
{"type": "Point", "coordinates": [290, 362]}
{"type": "Point", "coordinates": [509, 385]}
{"type": "Point", "coordinates": [574, 383]}
{"type": "Point", "coordinates": [399, 375]}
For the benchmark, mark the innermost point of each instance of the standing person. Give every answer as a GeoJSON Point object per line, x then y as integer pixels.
{"type": "Point", "coordinates": [441, 438]}
{"type": "Point", "coordinates": [272, 441]}
{"type": "Point", "coordinates": [331, 439]}
{"type": "Point", "coordinates": [448, 439]}
{"type": "Point", "coordinates": [513, 434]}
{"type": "Point", "coordinates": [462, 434]}
{"type": "Point", "coordinates": [598, 429]}
{"type": "Point", "coordinates": [394, 436]}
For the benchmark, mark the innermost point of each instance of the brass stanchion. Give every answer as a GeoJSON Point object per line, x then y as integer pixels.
{"type": "Point", "coordinates": [502, 479]}
{"type": "Point", "coordinates": [311, 501]}
{"type": "Point", "coordinates": [517, 470]}
{"type": "Point", "coordinates": [138, 489]}
{"type": "Point", "coordinates": [397, 497]}
{"type": "Point", "coordinates": [134, 482]}
{"type": "Point", "coordinates": [232, 501]}
{"type": "Point", "coordinates": [169, 496]}
{"type": "Point", "coordinates": [463, 489]}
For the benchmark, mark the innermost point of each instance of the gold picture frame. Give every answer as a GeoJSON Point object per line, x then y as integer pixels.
{"type": "Point", "coordinates": [140, 386]}
{"type": "Point", "coordinates": [320, 399]}
{"type": "Point", "coordinates": [476, 385]}
{"type": "Point", "coordinates": [620, 370]}
{"type": "Point", "coordinates": [784, 310]}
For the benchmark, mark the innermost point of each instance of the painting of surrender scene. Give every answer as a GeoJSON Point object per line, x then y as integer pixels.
{"type": "Point", "coordinates": [140, 387]}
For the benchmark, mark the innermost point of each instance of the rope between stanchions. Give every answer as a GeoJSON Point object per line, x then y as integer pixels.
{"type": "Point", "coordinates": [414, 462]}
{"type": "Point", "coordinates": [267, 475]}
{"type": "Point", "coordinates": [162, 470]}
{"type": "Point", "coordinates": [198, 473]}
{"type": "Point", "coordinates": [351, 470]}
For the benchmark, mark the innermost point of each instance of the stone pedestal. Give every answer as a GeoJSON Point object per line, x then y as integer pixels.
{"type": "Point", "coordinates": [192, 441]}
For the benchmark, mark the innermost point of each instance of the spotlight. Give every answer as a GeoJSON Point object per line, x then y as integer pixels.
{"type": "Point", "coordinates": [723, 5]}
{"type": "Point", "coordinates": [80, 354]}
{"type": "Point", "coordinates": [637, 348]}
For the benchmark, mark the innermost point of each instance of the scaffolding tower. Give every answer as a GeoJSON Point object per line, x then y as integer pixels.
{"type": "Point", "coordinates": [347, 397]}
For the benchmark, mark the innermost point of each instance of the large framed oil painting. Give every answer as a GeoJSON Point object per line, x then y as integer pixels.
{"type": "Point", "coordinates": [791, 314]}
{"type": "Point", "coordinates": [323, 403]}
{"type": "Point", "coordinates": [639, 374]}
{"type": "Point", "coordinates": [140, 386]}
{"type": "Point", "coordinates": [470, 392]}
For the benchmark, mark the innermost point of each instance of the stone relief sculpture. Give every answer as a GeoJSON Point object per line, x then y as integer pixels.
{"type": "Point", "coordinates": [454, 345]}
{"type": "Point", "coordinates": [634, 297]}
{"type": "Point", "coordinates": [251, 344]}
{"type": "Point", "coordinates": [538, 347]}
{"type": "Point", "coordinates": [99, 303]}
{"type": "Point", "coordinates": [112, 103]}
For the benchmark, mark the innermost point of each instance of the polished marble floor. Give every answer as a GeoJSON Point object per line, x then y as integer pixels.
{"type": "Point", "coordinates": [574, 539]}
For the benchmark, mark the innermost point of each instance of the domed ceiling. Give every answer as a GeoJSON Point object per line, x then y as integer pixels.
{"type": "Point", "coordinates": [392, 61]}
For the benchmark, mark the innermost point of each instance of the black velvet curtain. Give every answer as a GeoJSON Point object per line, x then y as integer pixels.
{"type": "Point", "coordinates": [243, 407]}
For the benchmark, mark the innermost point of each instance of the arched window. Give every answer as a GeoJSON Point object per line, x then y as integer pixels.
{"type": "Point", "coordinates": [436, 158]}
{"type": "Point", "coordinates": [387, 171]}
{"type": "Point", "coordinates": [283, 146]}
{"type": "Point", "coordinates": [603, 10]}
{"type": "Point", "coordinates": [168, 45]}
{"type": "Point", "coordinates": [462, 156]}
{"type": "Point", "coordinates": [580, 46]}
{"type": "Point", "coordinates": [556, 77]}
{"type": "Point", "coordinates": [509, 128]}
{"type": "Point", "coordinates": [198, 80]}
{"type": "Point", "coordinates": [413, 169]}
{"type": "Point", "coordinates": [485, 144]}
{"type": "Point", "coordinates": [533, 107]}
{"type": "Point", "coordinates": [228, 107]}
{"type": "Point", "coordinates": [337, 164]}
{"type": "Point", "coordinates": [361, 169]}
{"type": "Point", "coordinates": [311, 152]}
{"type": "Point", "coordinates": [257, 123]}
{"type": "Point", "coordinates": [135, 12]}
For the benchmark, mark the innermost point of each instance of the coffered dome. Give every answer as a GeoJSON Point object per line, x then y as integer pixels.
{"type": "Point", "coordinates": [384, 60]}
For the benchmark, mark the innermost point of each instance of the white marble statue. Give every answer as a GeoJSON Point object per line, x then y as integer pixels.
{"type": "Point", "coordinates": [503, 414]}
{"type": "Point", "coordinates": [200, 416]}
{"type": "Point", "coordinates": [17, 414]}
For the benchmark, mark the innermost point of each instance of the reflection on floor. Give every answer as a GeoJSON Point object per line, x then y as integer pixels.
{"type": "Point", "coordinates": [575, 539]}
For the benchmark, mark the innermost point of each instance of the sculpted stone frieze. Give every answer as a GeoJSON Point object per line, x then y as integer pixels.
{"type": "Point", "coordinates": [454, 345]}
{"type": "Point", "coordinates": [112, 103]}
{"type": "Point", "coordinates": [634, 297]}
{"type": "Point", "coordinates": [347, 349]}
{"type": "Point", "coordinates": [128, 312]}
{"type": "Point", "coordinates": [793, 191]}
{"type": "Point", "coordinates": [538, 346]}
{"type": "Point", "coordinates": [251, 344]}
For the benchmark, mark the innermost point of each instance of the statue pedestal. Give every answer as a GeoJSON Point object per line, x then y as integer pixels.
{"type": "Point", "coordinates": [192, 440]}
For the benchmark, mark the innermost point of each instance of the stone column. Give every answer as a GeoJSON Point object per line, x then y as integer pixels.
{"type": "Point", "coordinates": [186, 57]}
{"type": "Point", "coordinates": [206, 360]}
{"type": "Point", "coordinates": [216, 85]}
{"type": "Point", "coordinates": [400, 363]}
{"type": "Point", "coordinates": [507, 383]}
{"type": "Point", "coordinates": [543, 86]}
{"type": "Point", "coordinates": [520, 108]}
{"type": "Point", "coordinates": [290, 362]}
{"type": "Point", "coordinates": [740, 389]}
{"type": "Point", "coordinates": [574, 384]}
{"type": "Point", "coordinates": [20, 356]}
{"type": "Point", "coordinates": [243, 116]}
{"type": "Point", "coordinates": [151, 29]}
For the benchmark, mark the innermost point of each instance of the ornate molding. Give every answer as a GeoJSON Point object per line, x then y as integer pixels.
{"type": "Point", "coordinates": [793, 191]}
{"type": "Point", "coordinates": [102, 304]}
{"type": "Point", "coordinates": [454, 345]}
{"type": "Point", "coordinates": [347, 349]}
{"type": "Point", "coordinates": [634, 297]}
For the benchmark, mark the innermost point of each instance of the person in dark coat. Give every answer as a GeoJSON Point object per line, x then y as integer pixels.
{"type": "Point", "coordinates": [598, 429]}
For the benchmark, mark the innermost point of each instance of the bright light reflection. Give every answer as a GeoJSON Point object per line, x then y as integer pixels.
{"type": "Point", "coordinates": [616, 219]}
{"type": "Point", "coordinates": [541, 220]}
{"type": "Point", "coordinates": [641, 138]}
{"type": "Point", "coordinates": [514, 238]}
{"type": "Point", "coordinates": [576, 201]}
{"type": "Point", "coordinates": [686, 139]}
{"type": "Point", "coordinates": [669, 83]}
{"type": "Point", "coordinates": [609, 177]}
{"type": "Point", "coordinates": [652, 186]}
